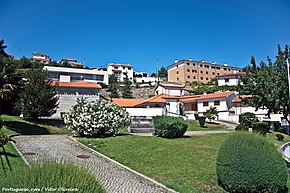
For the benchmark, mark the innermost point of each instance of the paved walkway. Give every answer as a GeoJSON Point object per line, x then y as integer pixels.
{"type": "Point", "coordinates": [113, 177]}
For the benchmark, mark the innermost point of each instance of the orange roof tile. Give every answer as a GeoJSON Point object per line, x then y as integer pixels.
{"type": "Point", "coordinates": [233, 74]}
{"type": "Point", "coordinates": [238, 99]}
{"type": "Point", "coordinates": [188, 89]}
{"type": "Point", "coordinates": [127, 102]}
{"type": "Point", "coordinates": [78, 84]}
{"type": "Point", "coordinates": [194, 98]}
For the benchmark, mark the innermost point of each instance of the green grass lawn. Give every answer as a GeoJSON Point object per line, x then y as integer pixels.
{"type": "Point", "coordinates": [185, 164]}
{"type": "Point", "coordinates": [16, 124]}
{"type": "Point", "coordinates": [194, 126]}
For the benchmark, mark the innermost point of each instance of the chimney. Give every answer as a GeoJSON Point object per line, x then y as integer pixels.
{"type": "Point", "coordinates": [214, 62]}
{"type": "Point", "coordinates": [235, 72]}
{"type": "Point", "coordinates": [190, 59]}
{"type": "Point", "coordinates": [225, 64]}
{"type": "Point", "coordinates": [204, 93]}
{"type": "Point", "coordinates": [175, 61]}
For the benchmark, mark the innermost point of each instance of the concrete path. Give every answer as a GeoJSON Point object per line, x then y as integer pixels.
{"type": "Point", "coordinates": [113, 177]}
{"type": "Point", "coordinates": [228, 125]}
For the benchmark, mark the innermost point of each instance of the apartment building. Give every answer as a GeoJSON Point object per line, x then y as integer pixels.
{"type": "Point", "coordinates": [190, 70]}
{"type": "Point", "coordinates": [63, 74]}
{"type": "Point", "coordinates": [120, 71]}
{"type": "Point", "coordinates": [42, 58]}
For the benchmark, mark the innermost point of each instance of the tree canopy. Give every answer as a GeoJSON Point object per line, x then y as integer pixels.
{"type": "Point", "coordinates": [268, 84]}
{"type": "Point", "coordinates": [126, 89]}
{"type": "Point", "coordinates": [162, 73]}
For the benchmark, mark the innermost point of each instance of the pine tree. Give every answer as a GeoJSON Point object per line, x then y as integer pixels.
{"type": "Point", "coordinates": [113, 86]}
{"type": "Point", "coordinates": [162, 73]}
{"type": "Point", "coordinates": [126, 90]}
{"type": "Point", "coordinates": [38, 97]}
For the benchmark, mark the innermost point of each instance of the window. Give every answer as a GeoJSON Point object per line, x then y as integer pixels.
{"type": "Point", "coordinates": [205, 104]}
{"type": "Point", "coordinates": [188, 76]}
{"type": "Point", "coordinates": [212, 67]}
{"type": "Point", "coordinates": [218, 73]}
{"type": "Point", "coordinates": [216, 103]}
{"type": "Point", "coordinates": [194, 77]}
{"type": "Point", "coordinates": [124, 67]}
{"type": "Point", "coordinates": [213, 73]}
{"type": "Point", "coordinates": [206, 78]}
{"type": "Point", "coordinates": [193, 64]}
{"type": "Point", "coordinates": [225, 69]}
{"type": "Point", "coordinates": [206, 72]}
{"type": "Point", "coordinates": [201, 78]}
{"type": "Point", "coordinates": [129, 68]}
{"type": "Point", "coordinates": [115, 67]}
{"type": "Point", "coordinates": [187, 63]}
{"type": "Point", "coordinates": [177, 78]}
{"type": "Point", "coordinates": [177, 72]}
{"type": "Point", "coordinates": [201, 65]}
{"type": "Point", "coordinates": [227, 80]}
{"type": "Point", "coordinates": [218, 68]}
{"type": "Point", "coordinates": [201, 71]}
{"type": "Point", "coordinates": [188, 70]}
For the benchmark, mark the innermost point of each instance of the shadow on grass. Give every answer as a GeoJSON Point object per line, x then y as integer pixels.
{"type": "Point", "coordinates": [8, 154]}
{"type": "Point", "coordinates": [26, 128]}
{"type": "Point", "coordinates": [213, 123]}
{"type": "Point", "coordinates": [50, 122]}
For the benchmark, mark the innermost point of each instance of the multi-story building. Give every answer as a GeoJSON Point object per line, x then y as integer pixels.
{"type": "Point", "coordinates": [72, 62]}
{"type": "Point", "coordinates": [230, 79]}
{"type": "Point", "coordinates": [142, 77]}
{"type": "Point", "coordinates": [200, 71]}
{"type": "Point", "coordinates": [120, 70]}
{"type": "Point", "coordinates": [63, 74]}
{"type": "Point", "coordinates": [42, 58]}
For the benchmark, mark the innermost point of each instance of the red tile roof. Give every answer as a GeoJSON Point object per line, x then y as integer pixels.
{"type": "Point", "coordinates": [78, 84]}
{"type": "Point", "coordinates": [188, 89]}
{"type": "Point", "coordinates": [233, 74]}
{"type": "Point", "coordinates": [238, 99]}
{"type": "Point", "coordinates": [135, 102]}
{"type": "Point", "coordinates": [188, 99]}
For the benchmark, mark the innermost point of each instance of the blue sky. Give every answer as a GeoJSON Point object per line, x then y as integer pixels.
{"type": "Point", "coordinates": [144, 31]}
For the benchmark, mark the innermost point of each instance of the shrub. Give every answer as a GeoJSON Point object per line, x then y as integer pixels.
{"type": "Point", "coordinates": [242, 128]}
{"type": "Point", "coordinates": [201, 121]}
{"type": "Point", "coordinates": [52, 175]}
{"type": "Point", "coordinates": [169, 127]}
{"type": "Point", "coordinates": [211, 113]}
{"type": "Point", "coordinates": [96, 118]}
{"type": "Point", "coordinates": [260, 127]}
{"type": "Point", "coordinates": [247, 119]}
{"type": "Point", "coordinates": [247, 162]}
{"type": "Point", "coordinates": [279, 136]}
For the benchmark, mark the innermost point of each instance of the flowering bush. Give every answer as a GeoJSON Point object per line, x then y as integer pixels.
{"type": "Point", "coordinates": [96, 118]}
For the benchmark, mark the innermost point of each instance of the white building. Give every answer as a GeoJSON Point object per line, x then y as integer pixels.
{"type": "Point", "coordinates": [142, 77]}
{"type": "Point", "coordinates": [198, 104]}
{"type": "Point", "coordinates": [230, 79]}
{"type": "Point", "coordinates": [42, 58]}
{"type": "Point", "coordinates": [170, 89]}
{"type": "Point", "coordinates": [63, 74]}
{"type": "Point", "coordinates": [72, 62]}
{"type": "Point", "coordinates": [120, 71]}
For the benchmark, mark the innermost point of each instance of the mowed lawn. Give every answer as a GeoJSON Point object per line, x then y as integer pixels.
{"type": "Point", "coordinates": [186, 164]}
{"type": "Point", "coordinates": [194, 126]}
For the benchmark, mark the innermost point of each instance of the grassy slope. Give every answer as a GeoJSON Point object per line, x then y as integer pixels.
{"type": "Point", "coordinates": [194, 126]}
{"type": "Point", "coordinates": [15, 124]}
{"type": "Point", "coordinates": [186, 164]}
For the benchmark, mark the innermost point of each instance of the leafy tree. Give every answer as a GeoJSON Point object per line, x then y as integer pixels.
{"type": "Point", "coordinates": [211, 89]}
{"type": "Point", "coordinates": [162, 73]}
{"type": "Point", "coordinates": [126, 90]}
{"type": "Point", "coordinates": [10, 81]}
{"type": "Point", "coordinates": [113, 86]}
{"type": "Point", "coordinates": [211, 113]}
{"type": "Point", "coordinates": [153, 75]}
{"type": "Point", "coordinates": [38, 97]}
{"type": "Point", "coordinates": [269, 85]}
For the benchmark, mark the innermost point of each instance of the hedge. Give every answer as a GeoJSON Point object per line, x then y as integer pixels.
{"type": "Point", "coordinates": [247, 162]}
{"type": "Point", "coordinates": [242, 128]}
{"type": "Point", "coordinates": [169, 127]}
{"type": "Point", "coordinates": [247, 119]}
{"type": "Point", "coordinates": [260, 127]}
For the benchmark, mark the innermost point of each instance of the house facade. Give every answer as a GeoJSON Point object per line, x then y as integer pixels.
{"type": "Point", "coordinates": [120, 71]}
{"type": "Point", "coordinates": [190, 70]}
{"type": "Point", "coordinates": [230, 79]}
{"type": "Point", "coordinates": [69, 92]}
{"type": "Point", "coordinates": [198, 104]}
{"type": "Point", "coordinates": [169, 89]}
{"type": "Point", "coordinates": [63, 74]}
{"type": "Point", "coordinates": [72, 62]}
{"type": "Point", "coordinates": [142, 77]}
{"type": "Point", "coordinates": [42, 58]}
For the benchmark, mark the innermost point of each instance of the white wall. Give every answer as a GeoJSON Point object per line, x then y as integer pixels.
{"type": "Point", "coordinates": [233, 80]}
{"type": "Point", "coordinates": [222, 107]}
{"type": "Point", "coordinates": [120, 67]}
{"type": "Point", "coordinates": [145, 111]}
{"type": "Point", "coordinates": [146, 79]}
{"type": "Point", "coordinates": [169, 90]}
{"type": "Point", "coordinates": [173, 106]}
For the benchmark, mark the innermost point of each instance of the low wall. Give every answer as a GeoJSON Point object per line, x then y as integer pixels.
{"type": "Point", "coordinates": [150, 112]}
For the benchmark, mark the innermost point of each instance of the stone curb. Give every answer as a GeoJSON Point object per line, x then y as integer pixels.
{"type": "Point", "coordinates": [21, 155]}
{"type": "Point", "coordinates": [123, 166]}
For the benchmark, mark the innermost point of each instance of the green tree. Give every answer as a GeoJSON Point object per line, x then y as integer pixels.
{"type": "Point", "coordinates": [113, 86]}
{"type": "Point", "coordinates": [126, 90]}
{"type": "Point", "coordinates": [38, 97]}
{"type": "Point", "coordinates": [162, 73]}
{"type": "Point", "coordinates": [211, 113]}
{"type": "Point", "coordinates": [10, 81]}
{"type": "Point", "coordinates": [268, 85]}
{"type": "Point", "coordinates": [153, 75]}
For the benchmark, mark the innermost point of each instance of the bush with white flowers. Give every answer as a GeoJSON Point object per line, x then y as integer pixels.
{"type": "Point", "coordinates": [96, 118]}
